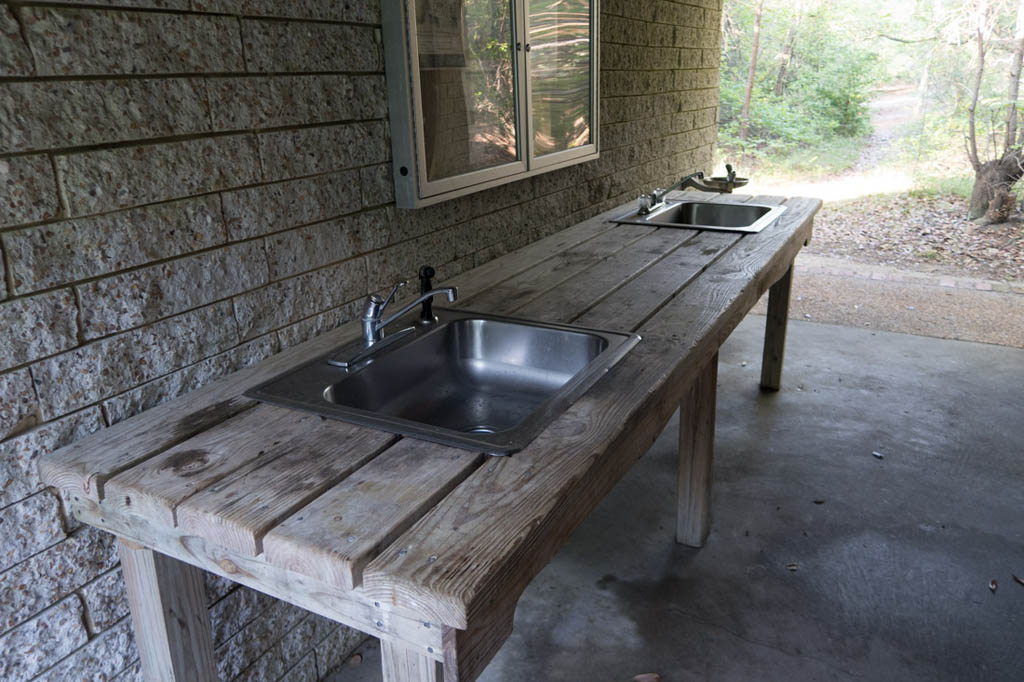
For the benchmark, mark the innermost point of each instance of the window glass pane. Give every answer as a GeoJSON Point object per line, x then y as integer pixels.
{"type": "Point", "coordinates": [467, 83]}
{"type": "Point", "coordinates": [559, 65]}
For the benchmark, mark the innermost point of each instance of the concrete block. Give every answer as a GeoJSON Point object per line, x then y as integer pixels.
{"type": "Point", "coordinates": [34, 584]}
{"type": "Point", "coordinates": [103, 657]}
{"type": "Point", "coordinates": [269, 102]}
{"type": "Point", "coordinates": [139, 297]}
{"type": "Point", "coordinates": [104, 368]}
{"type": "Point", "coordinates": [216, 586]}
{"type": "Point", "coordinates": [81, 42]}
{"type": "Point", "coordinates": [37, 326]}
{"type": "Point", "coordinates": [243, 649]}
{"type": "Point", "coordinates": [378, 185]}
{"type": "Point", "coordinates": [105, 601]}
{"type": "Point", "coordinates": [290, 300]}
{"type": "Point", "coordinates": [29, 190]}
{"type": "Point", "coordinates": [290, 153]}
{"type": "Point", "coordinates": [52, 114]}
{"type": "Point", "coordinates": [109, 179]}
{"type": "Point", "coordinates": [58, 253]}
{"type": "Point", "coordinates": [334, 650]}
{"type": "Point", "coordinates": [19, 409]}
{"type": "Point", "coordinates": [261, 210]}
{"type": "Point", "coordinates": [292, 46]}
{"type": "Point", "coordinates": [133, 673]}
{"type": "Point", "coordinates": [356, 11]}
{"type": "Point", "coordinates": [41, 642]}
{"type": "Point", "coordinates": [304, 330]}
{"type": "Point", "coordinates": [15, 57]}
{"type": "Point", "coordinates": [313, 246]}
{"type": "Point", "coordinates": [29, 527]}
{"type": "Point", "coordinates": [3, 275]}
{"type": "Point", "coordinates": [19, 477]}
{"type": "Point", "coordinates": [178, 383]}
{"type": "Point", "coordinates": [235, 611]}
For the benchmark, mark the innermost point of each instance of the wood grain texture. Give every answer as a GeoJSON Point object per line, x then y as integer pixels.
{"type": "Point", "coordinates": [239, 510]}
{"type": "Point", "coordinates": [516, 292]}
{"type": "Point", "coordinates": [168, 605]}
{"type": "Point", "coordinates": [775, 332]}
{"type": "Point", "coordinates": [500, 526]}
{"type": "Point", "coordinates": [696, 457]}
{"type": "Point", "coordinates": [588, 288]}
{"type": "Point", "coordinates": [338, 533]}
{"type": "Point", "coordinates": [86, 465]}
{"type": "Point", "coordinates": [401, 664]}
{"type": "Point", "coordinates": [154, 488]}
{"type": "Point", "coordinates": [352, 608]}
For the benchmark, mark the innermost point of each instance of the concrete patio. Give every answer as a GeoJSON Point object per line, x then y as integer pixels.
{"type": "Point", "coordinates": [825, 561]}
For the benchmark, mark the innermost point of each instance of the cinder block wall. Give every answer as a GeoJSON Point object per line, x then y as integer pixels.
{"type": "Point", "coordinates": [189, 186]}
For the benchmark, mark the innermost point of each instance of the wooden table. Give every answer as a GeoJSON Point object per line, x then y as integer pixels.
{"type": "Point", "coordinates": [425, 546]}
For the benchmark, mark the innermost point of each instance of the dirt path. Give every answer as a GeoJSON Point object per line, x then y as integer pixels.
{"type": "Point", "coordinates": [873, 172]}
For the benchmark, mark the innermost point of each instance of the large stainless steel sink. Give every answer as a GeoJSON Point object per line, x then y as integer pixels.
{"type": "Point", "coordinates": [472, 380]}
{"type": "Point", "coordinates": [704, 215]}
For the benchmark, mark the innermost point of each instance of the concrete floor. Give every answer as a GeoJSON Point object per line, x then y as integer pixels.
{"type": "Point", "coordinates": [824, 562]}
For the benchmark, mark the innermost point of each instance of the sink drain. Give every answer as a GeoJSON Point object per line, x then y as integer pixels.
{"type": "Point", "coordinates": [481, 428]}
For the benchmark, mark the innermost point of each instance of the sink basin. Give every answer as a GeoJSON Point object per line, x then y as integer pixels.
{"type": "Point", "coordinates": [473, 380]}
{"type": "Point", "coordinates": [704, 215]}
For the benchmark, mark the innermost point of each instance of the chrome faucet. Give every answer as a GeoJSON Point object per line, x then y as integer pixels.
{"type": "Point", "coordinates": [374, 321]}
{"type": "Point", "coordinates": [373, 311]}
{"type": "Point", "coordinates": [655, 200]}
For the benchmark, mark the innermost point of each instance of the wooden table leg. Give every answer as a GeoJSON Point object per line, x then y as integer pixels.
{"type": "Point", "coordinates": [405, 665]}
{"type": "Point", "coordinates": [775, 332]}
{"type": "Point", "coordinates": [696, 451]}
{"type": "Point", "coordinates": [168, 605]}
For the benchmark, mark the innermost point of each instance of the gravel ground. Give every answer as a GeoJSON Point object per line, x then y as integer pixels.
{"type": "Point", "coordinates": [915, 233]}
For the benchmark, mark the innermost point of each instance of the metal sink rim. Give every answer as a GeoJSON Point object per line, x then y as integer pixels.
{"type": "Point", "coordinates": [634, 218]}
{"type": "Point", "coordinates": [500, 443]}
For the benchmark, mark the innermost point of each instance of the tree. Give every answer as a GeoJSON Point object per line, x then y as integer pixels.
{"type": "Point", "coordinates": [745, 115]}
{"type": "Point", "coordinates": [991, 200]}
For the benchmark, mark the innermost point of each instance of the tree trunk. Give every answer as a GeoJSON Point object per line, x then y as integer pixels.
{"type": "Point", "coordinates": [745, 114]}
{"type": "Point", "coordinates": [991, 198]}
{"type": "Point", "coordinates": [787, 51]}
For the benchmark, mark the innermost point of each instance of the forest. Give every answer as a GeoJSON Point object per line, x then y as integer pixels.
{"type": "Point", "coordinates": [799, 76]}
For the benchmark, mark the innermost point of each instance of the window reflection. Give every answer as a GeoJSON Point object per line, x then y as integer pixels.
{"type": "Point", "coordinates": [559, 66]}
{"type": "Point", "coordinates": [467, 82]}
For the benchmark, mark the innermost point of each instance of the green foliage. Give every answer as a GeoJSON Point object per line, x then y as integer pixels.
{"type": "Point", "coordinates": [824, 89]}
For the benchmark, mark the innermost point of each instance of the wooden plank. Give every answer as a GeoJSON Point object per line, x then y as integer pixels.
{"type": "Point", "coordinates": [88, 463]}
{"type": "Point", "coordinates": [243, 506]}
{"type": "Point", "coordinates": [496, 530]}
{"type": "Point", "coordinates": [696, 455]}
{"type": "Point", "coordinates": [467, 652]}
{"type": "Point", "coordinates": [401, 664]}
{"type": "Point", "coordinates": [155, 487]}
{"type": "Point", "coordinates": [517, 291]}
{"type": "Point", "coordinates": [338, 533]}
{"type": "Point", "coordinates": [775, 332]}
{"type": "Point", "coordinates": [172, 627]}
{"type": "Point", "coordinates": [636, 301]}
{"type": "Point", "coordinates": [352, 608]}
{"type": "Point", "coordinates": [569, 299]}
{"type": "Point", "coordinates": [512, 264]}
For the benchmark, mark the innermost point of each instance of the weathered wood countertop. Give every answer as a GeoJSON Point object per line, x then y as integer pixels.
{"type": "Point", "coordinates": [423, 545]}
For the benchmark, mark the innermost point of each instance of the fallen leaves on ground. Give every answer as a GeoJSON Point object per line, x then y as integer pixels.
{"type": "Point", "coordinates": [920, 233]}
{"type": "Point", "coordinates": [993, 585]}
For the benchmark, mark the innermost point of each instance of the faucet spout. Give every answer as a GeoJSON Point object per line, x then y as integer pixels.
{"type": "Point", "coordinates": [451, 292]}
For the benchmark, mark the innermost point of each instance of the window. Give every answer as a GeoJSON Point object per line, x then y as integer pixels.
{"type": "Point", "coordinates": [484, 92]}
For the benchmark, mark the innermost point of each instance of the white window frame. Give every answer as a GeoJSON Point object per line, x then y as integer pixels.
{"type": "Point", "coordinates": [401, 52]}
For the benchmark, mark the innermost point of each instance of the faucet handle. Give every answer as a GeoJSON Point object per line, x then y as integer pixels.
{"type": "Point", "coordinates": [378, 303]}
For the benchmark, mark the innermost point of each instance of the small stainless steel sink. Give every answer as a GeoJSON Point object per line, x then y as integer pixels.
{"type": "Point", "coordinates": [704, 215]}
{"type": "Point", "coordinates": [472, 380]}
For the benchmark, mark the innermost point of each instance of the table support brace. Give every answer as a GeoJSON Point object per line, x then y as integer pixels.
{"type": "Point", "coordinates": [775, 332]}
{"type": "Point", "coordinates": [696, 450]}
{"type": "Point", "coordinates": [168, 605]}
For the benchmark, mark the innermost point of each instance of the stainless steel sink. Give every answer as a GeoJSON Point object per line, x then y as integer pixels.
{"type": "Point", "coordinates": [472, 380]}
{"type": "Point", "coordinates": [704, 215]}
